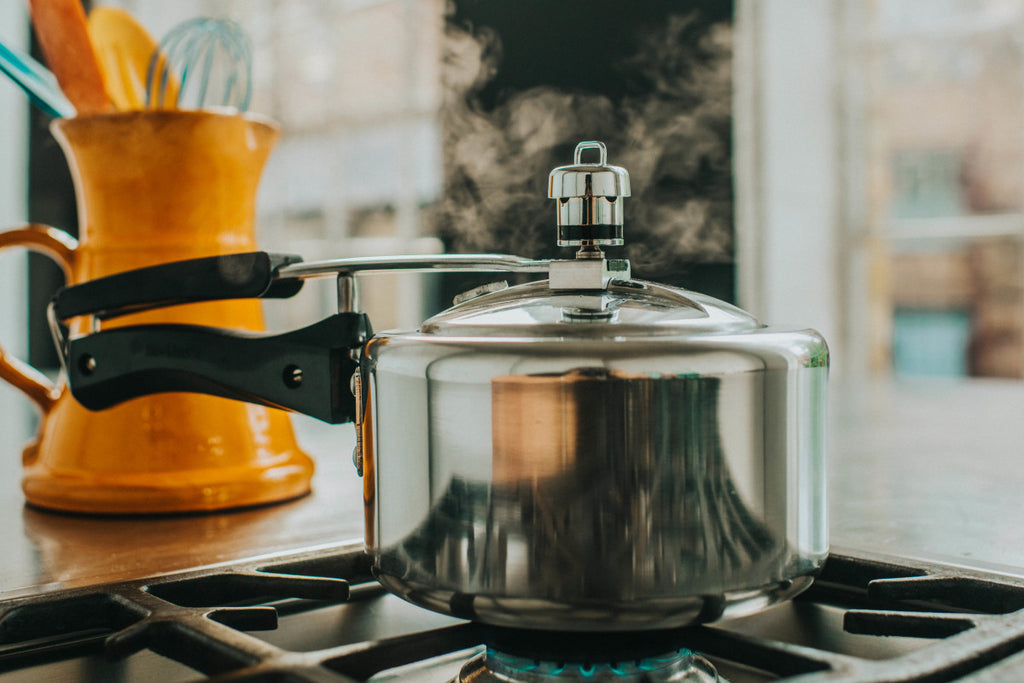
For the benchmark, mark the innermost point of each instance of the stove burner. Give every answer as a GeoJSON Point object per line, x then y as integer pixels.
{"type": "Point", "coordinates": [680, 666]}
{"type": "Point", "coordinates": [524, 656]}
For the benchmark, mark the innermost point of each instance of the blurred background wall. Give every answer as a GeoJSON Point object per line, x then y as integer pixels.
{"type": "Point", "coordinates": [852, 165]}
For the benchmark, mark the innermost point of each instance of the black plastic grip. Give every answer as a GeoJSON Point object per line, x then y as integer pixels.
{"type": "Point", "coordinates": [231, 276]}
{"type": "Point", "coordinates": [307, 370]}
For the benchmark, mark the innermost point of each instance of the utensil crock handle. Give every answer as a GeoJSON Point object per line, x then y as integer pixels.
{"type": "Point", "coordinates": [307, 370]}
{"type": "Point", "coordinates": [59, 246]}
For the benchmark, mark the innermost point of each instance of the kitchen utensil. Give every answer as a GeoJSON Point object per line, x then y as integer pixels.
{"type": "Point", "coordinates": [201, 63]}
{"type": "Point", "coordinates": [155, 187]}
{"type": "Point", "coordinates": [64, 39]}
{"type": "Point", "coordinates": [36, 81]}
{"type": "Point", "coordinates": [124, 49]}
{"type": "Point", "coordinates": [586, 452]}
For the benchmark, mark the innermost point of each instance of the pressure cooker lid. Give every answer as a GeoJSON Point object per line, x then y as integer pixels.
{"type": "Point", "coordinates": [625, 310]}
{"type": "Point", "coordinates": [590, 296]}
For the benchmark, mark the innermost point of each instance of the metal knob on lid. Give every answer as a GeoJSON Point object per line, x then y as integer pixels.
{"type": "Point", "coordinates": [590, 198]}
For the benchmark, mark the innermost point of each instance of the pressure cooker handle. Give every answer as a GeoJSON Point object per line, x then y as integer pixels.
{"type": "Point", "coordinates": [232, 276]}
{"type": "Point", "coordinates": [307, 370]}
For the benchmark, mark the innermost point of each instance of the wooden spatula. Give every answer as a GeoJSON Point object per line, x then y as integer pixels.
{"type": "Point", "coordinates": [64, 39]}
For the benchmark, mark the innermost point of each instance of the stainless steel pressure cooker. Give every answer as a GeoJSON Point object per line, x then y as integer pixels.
{"type": "Point", "coordinates": [583, 452]}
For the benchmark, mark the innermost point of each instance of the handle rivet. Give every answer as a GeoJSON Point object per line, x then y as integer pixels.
{"type": "Point", "coordinates": [292, 376]}
{"type": "Point", "coordinates": [87, 364]}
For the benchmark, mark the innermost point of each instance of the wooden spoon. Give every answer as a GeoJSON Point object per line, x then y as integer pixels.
{"type": "Point", "coordinates": [64, 39]}
{"type": "Point", "coordinates": [124, 48]}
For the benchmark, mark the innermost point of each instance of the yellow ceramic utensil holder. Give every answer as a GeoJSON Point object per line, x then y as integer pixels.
{"type": "Point", "coordinates": [153, 187]}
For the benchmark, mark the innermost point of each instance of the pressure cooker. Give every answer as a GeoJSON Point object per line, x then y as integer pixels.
{"type": "Point", "coordinates": [587, 451]}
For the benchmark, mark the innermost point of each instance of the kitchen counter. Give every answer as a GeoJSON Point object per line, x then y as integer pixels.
{"type": "Point", "coordinates": [46, 550]}
{"type": "Point", "coordinates": [930, 469]}
{"type": "Point", "coordinates": [925, 469]}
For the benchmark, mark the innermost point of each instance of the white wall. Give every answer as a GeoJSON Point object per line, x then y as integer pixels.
{"type": "Point", "coordinates": [786, 163]}
{"type": "Point", "coordinates": [14, 407]}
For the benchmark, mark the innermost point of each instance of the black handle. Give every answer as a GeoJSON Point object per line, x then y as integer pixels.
{"type": "Point", "coordinates": [307, 370]}
{"type": "Point", "coordinates": [232, 276]}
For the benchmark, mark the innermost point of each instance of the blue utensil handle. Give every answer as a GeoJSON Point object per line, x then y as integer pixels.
{"type": "Point", "coordinates": [37, 82]}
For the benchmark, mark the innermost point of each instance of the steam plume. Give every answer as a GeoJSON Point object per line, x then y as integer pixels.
{"type": "Point", "coordinates": [672, 134]}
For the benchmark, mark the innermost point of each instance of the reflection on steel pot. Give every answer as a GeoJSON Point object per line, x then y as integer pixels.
{"type": "Point", "coordinates": [604, 481]}
{"type": "Point", "coordinates": [586, 452]}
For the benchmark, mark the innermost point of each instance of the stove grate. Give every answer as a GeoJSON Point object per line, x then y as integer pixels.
{"type": "Point", "coordinates": [965, 625]}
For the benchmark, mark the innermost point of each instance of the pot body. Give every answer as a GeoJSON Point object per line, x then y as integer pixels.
{"type": "Point", "coordinates": [596, 484]}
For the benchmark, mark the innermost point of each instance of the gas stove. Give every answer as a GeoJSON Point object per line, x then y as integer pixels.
{"type": "Point", "coordinates": [317, 615]}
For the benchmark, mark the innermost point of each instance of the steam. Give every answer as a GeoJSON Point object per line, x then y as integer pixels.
{"type": "Point", "coordinates": [672, 136]}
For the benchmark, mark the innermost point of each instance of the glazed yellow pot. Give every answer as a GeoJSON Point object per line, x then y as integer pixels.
{"type": "Point", "coordinates": [153, 187]}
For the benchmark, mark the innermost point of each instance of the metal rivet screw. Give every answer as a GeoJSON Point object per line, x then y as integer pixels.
{"type": "Point", "coordinates": [292, 376]}
{"type": "Point", "coordinates": [87, 364]}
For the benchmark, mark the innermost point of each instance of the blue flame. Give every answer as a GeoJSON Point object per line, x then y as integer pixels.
{"type": "Point", "coordinates": [585, 670]}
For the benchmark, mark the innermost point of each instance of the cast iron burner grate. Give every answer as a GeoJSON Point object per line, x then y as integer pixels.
{"type": "Point", "coordinates": [948, 624]}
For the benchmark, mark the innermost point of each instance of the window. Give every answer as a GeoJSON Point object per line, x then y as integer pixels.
{"type": "Point", "coordinates": [890, 168]}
